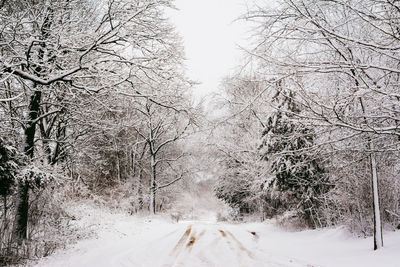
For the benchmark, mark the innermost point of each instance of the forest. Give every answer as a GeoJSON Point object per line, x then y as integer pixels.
{"type": "Point", "coordinates": [96, 106]}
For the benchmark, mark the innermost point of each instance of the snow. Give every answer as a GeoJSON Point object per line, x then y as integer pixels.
{"type": "Point", "coordinates": [124, 240]}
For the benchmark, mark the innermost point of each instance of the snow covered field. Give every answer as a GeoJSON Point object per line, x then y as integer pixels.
{"type": "Point", "coordinates": [133, 241]}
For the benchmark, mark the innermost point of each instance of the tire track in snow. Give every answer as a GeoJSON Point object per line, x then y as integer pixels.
{"type": "Point", "coordinates": [238, 248]}
{"type": "Point", "coordinates": [193, 244]}
{"type": "Point", "coordinates": [240, 245]}
{"type": "Point", "coordinates": [188, 248]}
{"type": "Point", "coordinates": [178, 247]}
{"type": "Point", "coordinates": [188, 238]}
{"type": "Point", "coordinates": [204, 254]}
{"type": "Point", "coordinates": [194, 239]}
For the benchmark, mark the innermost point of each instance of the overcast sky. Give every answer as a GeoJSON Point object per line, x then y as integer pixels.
{"type": "Point", "coordinates": [210, 36]}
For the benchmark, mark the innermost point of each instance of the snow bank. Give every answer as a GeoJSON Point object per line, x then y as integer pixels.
{"type": "Point", "coordinates": [329, 247]}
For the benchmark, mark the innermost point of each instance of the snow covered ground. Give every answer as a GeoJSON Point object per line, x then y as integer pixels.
{"type": "Point", "coordinates": [132, 241]}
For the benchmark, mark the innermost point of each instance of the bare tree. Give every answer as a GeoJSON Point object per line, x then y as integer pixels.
{"type": "Point", "coordinates": [162, 128]}
{"type": "Point", "coordinates": [55, 51]}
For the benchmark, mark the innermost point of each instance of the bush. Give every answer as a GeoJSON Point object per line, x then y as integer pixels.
{"type": "Point", "coordinates": [48, 226]}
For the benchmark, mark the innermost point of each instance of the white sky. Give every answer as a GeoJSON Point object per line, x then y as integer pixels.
{"type": "Point", "coordinates": [210, 36]}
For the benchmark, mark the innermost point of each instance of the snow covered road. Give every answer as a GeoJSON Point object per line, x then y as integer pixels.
{"type": "Point", "coordinates": [202, 244]}
{"type": "Point", "coordinates": [183, 244]}
{"type": "Point", "coordinates": [126, 241]}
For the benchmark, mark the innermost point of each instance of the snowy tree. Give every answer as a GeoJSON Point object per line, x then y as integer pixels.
{"type": "Point", "coordinates": [235, 142]}
{"type": "Point", "coordinates": [342, 57]}
{"type": "Point", "coordinates": [55, 52]}
{"type": "Point", "coordinates": [162, 127]}
{"type": "Point", "coordinates": [298, 179]}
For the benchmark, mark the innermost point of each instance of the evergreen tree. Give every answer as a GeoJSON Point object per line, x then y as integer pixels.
{"type": "Point", "coordinates": [8, 168]}
{"type": "Point", "coordinates": [298, 179]}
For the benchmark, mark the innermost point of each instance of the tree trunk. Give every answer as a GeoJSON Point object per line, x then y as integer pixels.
{"type": "Point", "coordinates": [153, 185]}
{"type": "Point", "coordinates": [378, 236]}
{"type": "Point", "coordinates": [119, 168]}
{"type": "Point", "coordinates": [152, 201]}
{"type": "Point", "coordinates": [30, 129]}
{"type": "Point", "coordinates": [45, 141]}
{"type": "Point", "coordinates": [5, 207]}
{"type": "Point", "coordinates": [22, 200]}
{"type": "Point", "coordinates": [118, 161]}
{"type": "Point", "coordinates": [140, 176]}
{"type": "Point", "coordinates": [139, 188]}
{"type": "Point", "coordinates": [58, 152]}
{"type": "Point", "coordinates": [21, 216]}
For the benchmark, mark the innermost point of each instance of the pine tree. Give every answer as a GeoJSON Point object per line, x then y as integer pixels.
{"type": "Point", "coordinates": [298, 179]}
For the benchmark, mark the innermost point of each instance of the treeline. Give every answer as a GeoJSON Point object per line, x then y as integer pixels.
{"type": "Point", "coordinates": [93, 97]}
{"type": "Point", "coordinates": [312, 128]}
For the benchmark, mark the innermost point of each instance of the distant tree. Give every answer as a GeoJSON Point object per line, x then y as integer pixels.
{"type": "Point", "coordinates": [235, 143]}
{"type": "Point", "coordinates": [234, 188]}
{"type": "Point", "coordinates": [161, 129]}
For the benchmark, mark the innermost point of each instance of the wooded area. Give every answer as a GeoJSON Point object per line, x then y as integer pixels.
{"type": "Point", "coordinates": [95, 104]}
{"type": "Point", "coordinates": [314, 132]}
{"type": "Point", "coordinates": [93, 95]}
